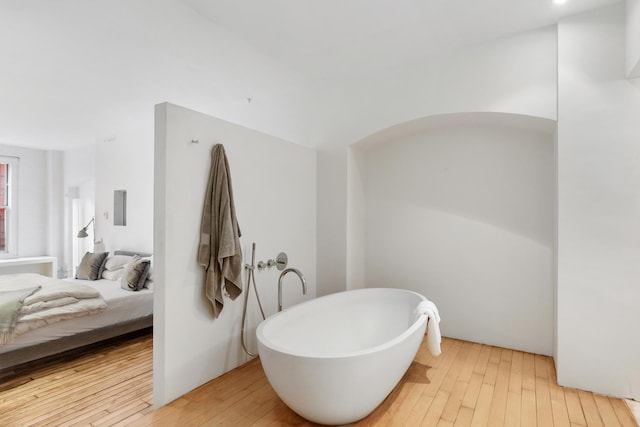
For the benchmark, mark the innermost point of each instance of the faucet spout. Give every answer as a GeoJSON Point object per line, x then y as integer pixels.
{"type": "Point", "coordinates": [284, 273]}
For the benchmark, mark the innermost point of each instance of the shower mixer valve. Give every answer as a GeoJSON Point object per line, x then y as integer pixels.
{"type": "Point", "coordinates": [280, 262]}
{"type": "Point", "coordinates": [262, 265]}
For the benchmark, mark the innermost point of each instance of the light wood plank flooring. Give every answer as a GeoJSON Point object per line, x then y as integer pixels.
{"type": "Point", "coordinates": [103, 387]}
{"type": "Point", "coordinates": [468, 385]}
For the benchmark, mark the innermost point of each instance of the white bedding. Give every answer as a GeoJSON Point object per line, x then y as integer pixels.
{"type": "Point", "coordinates": [56, 300]}
{"type": "Point", "coordinates": [121, 306]}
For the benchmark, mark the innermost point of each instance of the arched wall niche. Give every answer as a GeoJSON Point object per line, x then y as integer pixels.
{"type": "Point", "coordinates": [480, 118]}
{"type": "Point", "coordinates": [461, 208]}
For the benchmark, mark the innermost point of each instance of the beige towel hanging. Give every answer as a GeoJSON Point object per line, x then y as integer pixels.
{"type": "Point", "coordinates": [219, 251]}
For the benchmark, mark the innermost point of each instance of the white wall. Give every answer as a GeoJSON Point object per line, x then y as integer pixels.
{"type": "Point", "coordinates": [125, 162]}
{"type": "Point", "coordinates": [275, 194]}
{"type": "Point", "coordinates": [91, 173]}
{"type": "Point", "coordinates": [33, 205]}
{"type": "Point", "coordinates": [599, 207]}
{"type": "Point", "coordinates": [463, 213]}
{"type": "Point", "coordinates": [555, 246]}
{"type": "Point", "coordinates": [55, 203]}
{"type": "Point", "coordinates": [332, 220]}
{"type": "Point", "coordinates": [341, 215]}
{"type": "Point", "coordinates": [356, 219]}
{"type": "Point", "coordinates": [79, 174]}
{"type": "Point", "coordinates": [79, 166]}
{"type": "Point", "coordinates": [633, 38]}
{"type": "Point", "coordinates": [513, 75]}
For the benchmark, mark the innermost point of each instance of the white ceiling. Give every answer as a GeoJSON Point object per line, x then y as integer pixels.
{"type": "Point", "coordinates": [72, 71]}
{"type": "Point", "coordinates": [333, 38]}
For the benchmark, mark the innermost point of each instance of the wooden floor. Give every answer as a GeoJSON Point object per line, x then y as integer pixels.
{"type": "Point", "coordinates": [104, 387]}
{"type": "Point", "coordinates": [468, 384]}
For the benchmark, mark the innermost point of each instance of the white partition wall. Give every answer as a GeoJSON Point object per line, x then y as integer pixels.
{"type": "Point", "coordinates": [274, 184]}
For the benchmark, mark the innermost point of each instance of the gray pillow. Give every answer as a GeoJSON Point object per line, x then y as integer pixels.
{"type": "Point", "coordinates": [135, 274]}
{"type": "Point", "coordinates": [91, 266]}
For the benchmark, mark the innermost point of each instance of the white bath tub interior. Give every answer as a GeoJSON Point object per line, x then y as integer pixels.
{"type": "Point", "coordinates": [334, 359]}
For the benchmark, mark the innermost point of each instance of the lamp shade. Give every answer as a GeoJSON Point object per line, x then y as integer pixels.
{"type": "Point", "coordinates": [83, 231]}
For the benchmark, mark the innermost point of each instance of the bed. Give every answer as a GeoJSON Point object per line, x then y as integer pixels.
{"type": "Point", "coordinates": [126, 311]}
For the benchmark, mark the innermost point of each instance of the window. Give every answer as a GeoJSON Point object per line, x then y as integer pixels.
{"type": "Point", "coordinates": [8, 206]}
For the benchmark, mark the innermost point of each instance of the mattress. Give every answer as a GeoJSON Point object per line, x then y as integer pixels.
{"type": "Point", "coordinates": [121, 306]}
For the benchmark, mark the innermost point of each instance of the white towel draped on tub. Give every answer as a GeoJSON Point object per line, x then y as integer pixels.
{"type": "Point", "coordinates": [433, 325]}
{"type": "Point", "coordinates": [219, 251]}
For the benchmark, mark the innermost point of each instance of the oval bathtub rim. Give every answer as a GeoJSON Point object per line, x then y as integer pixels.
{"type": "Point", "coordinates": [420, 320]}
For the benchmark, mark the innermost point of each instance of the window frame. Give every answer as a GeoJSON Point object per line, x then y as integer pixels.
{"type": "Point", "coordinates": [11, 209]}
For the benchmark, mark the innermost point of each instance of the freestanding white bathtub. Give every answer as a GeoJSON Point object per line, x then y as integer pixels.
{"type": "Point", "coordinates": [334, 359]}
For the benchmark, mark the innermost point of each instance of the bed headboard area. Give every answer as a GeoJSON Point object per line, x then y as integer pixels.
{"type": "Point", "coordinates": [132, 253]}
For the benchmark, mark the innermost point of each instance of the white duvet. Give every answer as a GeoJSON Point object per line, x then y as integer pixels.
{"type": "Point", "coordinates": [56, 300]}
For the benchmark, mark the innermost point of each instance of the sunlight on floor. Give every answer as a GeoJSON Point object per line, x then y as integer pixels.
{"type": "Point", "coordinates": [635, 409]}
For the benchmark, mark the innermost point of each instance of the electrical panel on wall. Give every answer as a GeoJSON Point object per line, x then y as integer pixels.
{"type": "Point", "coordinates": [120, 207]}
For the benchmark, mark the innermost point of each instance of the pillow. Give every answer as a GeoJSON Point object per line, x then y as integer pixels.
{"type": "Point", "coordinates": [91, 266]}
{"type": "Point", "coordinates": [116, 262]}
{"type": "Point", "coordinates": [150, 274]}
{"type": "Point", "coordinates": [113, 275]}
{"type": "Point", "coordinates": [135, 274]}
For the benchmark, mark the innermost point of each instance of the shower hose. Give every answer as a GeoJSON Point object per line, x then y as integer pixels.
{"type": "Point", "coordinates": [250, 279]}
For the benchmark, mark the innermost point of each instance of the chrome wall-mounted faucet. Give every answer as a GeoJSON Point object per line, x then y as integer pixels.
{"type": "Point", "coordinates": [284, 273]}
